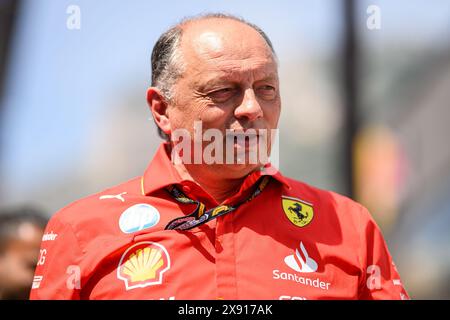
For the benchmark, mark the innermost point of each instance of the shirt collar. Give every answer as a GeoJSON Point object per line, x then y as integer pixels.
{"type": "Point", "coordinates": [161, 173]}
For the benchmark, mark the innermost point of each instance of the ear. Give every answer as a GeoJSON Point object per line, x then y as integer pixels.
{"type": "Point", "coordinates": [158, 107]}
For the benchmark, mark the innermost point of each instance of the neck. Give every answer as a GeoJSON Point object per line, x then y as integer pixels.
{"type": "Point", "coordinates": [219, 187]}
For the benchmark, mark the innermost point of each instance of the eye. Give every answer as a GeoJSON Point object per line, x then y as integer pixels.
{"type": "Point", "coordinates": [266, 92]}
{"type": "Point", "coordinates": [222, 95]}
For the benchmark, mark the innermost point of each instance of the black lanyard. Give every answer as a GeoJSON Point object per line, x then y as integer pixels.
{"type": "Point", "coordinates": [199, 216]}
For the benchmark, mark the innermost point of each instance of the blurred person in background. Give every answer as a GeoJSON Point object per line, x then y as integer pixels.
{"type": "Point", "coordinates": [21, 231]}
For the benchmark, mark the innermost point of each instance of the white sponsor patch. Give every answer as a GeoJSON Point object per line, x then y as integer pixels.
{"type": "Point", "coordinates": [138, 217]}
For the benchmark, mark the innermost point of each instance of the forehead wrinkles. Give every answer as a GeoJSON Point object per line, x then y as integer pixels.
{"type": "Point", "coordinates": [232, 54]}
{"type": "Point", "coordinates": [225, 65]}
{"type": "Point", "coordinates": [231, 71]}
{"type": "Point", "coordinates": [246, 69]}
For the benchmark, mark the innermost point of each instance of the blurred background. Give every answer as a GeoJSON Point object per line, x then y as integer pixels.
{"type": "Point", "coordinates": [366, 107]}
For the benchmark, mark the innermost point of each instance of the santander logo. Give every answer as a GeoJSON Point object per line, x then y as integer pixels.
{"type": "Point", "coordinates": [300, 261]}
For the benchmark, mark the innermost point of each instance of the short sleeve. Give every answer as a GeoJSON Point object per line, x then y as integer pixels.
{"type": "Point", "coordinates": [58, 275]}
{"type": "Point", "coordinates": [380, 278]}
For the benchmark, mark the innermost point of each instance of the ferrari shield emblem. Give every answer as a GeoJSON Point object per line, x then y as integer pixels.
{"type": "Point", "coordinates": [299, 212]}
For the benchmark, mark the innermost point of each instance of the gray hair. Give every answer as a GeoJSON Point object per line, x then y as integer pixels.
{"type": "Point", "coordinates": [167, 62]}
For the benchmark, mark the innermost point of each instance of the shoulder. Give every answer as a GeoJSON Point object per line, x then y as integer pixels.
{"type": "Point", "coordinates": [96, 207]}
{"type": "Point", "coordinates": [328, 201]}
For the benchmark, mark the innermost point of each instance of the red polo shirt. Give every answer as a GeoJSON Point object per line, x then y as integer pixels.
{"type": "Point", "coordinates": [292, 241]}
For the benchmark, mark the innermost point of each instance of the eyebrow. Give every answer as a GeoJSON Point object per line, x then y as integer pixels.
{"type": "Point", "coordinates": [229, 77]}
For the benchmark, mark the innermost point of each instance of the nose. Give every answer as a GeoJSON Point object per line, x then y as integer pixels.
{"type": "Point", "coordinates": [249, 107]}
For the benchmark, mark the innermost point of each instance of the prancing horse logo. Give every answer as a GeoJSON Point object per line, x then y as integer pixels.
{"type": "Point", "coordinates": [297, 209]}
{"type": "Point", "coordinates": [299, 212]}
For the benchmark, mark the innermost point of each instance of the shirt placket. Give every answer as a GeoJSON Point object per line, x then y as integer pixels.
{"type": "Point", "coordinates": [225, 258]}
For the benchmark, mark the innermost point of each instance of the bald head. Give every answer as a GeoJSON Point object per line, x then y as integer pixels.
{"type": "Point", "coordinates": [203, 37]}
{"type": "Point", "coordinates": [209, 39]}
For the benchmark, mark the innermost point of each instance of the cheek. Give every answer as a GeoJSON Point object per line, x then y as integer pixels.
{"type": "Point", "coordinates": [181, 118]}
{"type": "Point", "coordinates": [212, 116]}
{"type": "Point", "coordinates": [272, 114]}
{"type": "Point", "coordinates": [215, 117]}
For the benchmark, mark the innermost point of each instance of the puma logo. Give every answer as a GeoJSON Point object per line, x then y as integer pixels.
{"type": "Point", "coordinates": [118, 196]}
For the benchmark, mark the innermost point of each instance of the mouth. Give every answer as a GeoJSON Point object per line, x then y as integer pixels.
{"type": "Point", "coordinates": [243, 139]}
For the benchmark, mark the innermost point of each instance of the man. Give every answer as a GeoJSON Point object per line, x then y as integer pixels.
{"type": "Point", "coordinates": [21, 231]}
{"type": "Point", "coordinates": [211, 224]}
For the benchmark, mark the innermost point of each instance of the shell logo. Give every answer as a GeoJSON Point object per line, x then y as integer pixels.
{"type": "Point", "coordinates": [143, 264]}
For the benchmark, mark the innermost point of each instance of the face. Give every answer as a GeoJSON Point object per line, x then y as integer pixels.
{"type": "Point", "coordinates": [18, 261]}
{"type": "Point", "coordinates": [230, 81]}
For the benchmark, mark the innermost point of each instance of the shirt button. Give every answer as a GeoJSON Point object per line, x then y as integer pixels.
{"type": "Point", "coordinates": [186, 189]}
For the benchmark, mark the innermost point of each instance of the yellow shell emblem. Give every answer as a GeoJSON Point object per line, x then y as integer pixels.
{"type": "Point", "coordinates": [299, 212]}
{"type": "Point", "coordinates": [143, 264]}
